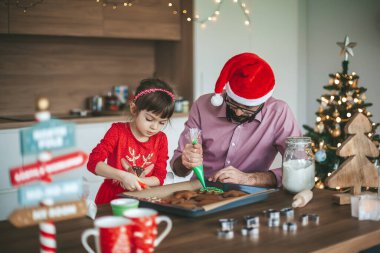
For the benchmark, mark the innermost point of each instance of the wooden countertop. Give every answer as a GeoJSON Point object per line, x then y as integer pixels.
{"type": "Point", "coordinates": [27, 120]}
{"type": "Point", "coordinates": [336, 232]}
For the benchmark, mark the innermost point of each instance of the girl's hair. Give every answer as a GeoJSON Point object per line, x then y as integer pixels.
{"type": "Point", "coordinates": [158, 102]}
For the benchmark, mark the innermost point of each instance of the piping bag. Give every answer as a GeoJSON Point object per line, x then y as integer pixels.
{"type": "Point", "coordinates": [198, 170]}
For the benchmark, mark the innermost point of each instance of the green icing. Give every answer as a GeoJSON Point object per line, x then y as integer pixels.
{"type": "Point", "coordinates": [211, 189]}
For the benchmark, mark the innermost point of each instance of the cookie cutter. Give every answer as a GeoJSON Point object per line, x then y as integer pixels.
{"type": "Point", "coordinates": [252, 231]}
{"type": "Point", "coordinates": [288, 212]}
{"type": "Point", "coordinates": [289, 226]}
{"type": "Point", "coordinates": [304, 219]}
{"type": "Point", "coordinates": [251, 221]}
{"type": "Point", "coordinates": [273, 222]}
{"type": "Point", "coordinates": [225, 234]}
{"type": "Point", "coordinates": [274, 215]}
{"type": "Point", "coordinates": [227, 224]}
{"type": "Point", "coordinates": [314, 218]}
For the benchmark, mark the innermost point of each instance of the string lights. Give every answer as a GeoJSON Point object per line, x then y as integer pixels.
{"type": "Point", "coordinates": [116, 3]}
{"type": "Point", "coordinates": [27, 4]}
{"type": "Point", "coordinates": [213, 17]}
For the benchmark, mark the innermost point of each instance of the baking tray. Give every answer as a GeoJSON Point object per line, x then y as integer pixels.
{"type": "Point", "coordinates": [255, 194]}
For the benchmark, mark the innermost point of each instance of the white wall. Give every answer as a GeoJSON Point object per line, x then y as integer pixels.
{"type": "Point", "coordinates": [298, 39]}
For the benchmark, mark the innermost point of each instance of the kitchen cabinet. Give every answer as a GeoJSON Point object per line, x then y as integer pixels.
{"type": "Point", "coordinates": [3, 16]}
{"type": "Point", "coordinates": [57, 17]}
{"type": "Point", "coordinates": [149, 19]}
{"type": "Point", "coordinates": [87, 137]}
{"type": "Point", "coordinates": [144, 20]}
{"type": "Point", "coordinates": [69, 50]}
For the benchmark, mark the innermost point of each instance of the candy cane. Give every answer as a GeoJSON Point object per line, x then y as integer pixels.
{"type": "Point", "coordinates": [48, 242]}
{"type": "Point", "coordinates": [48, 237]}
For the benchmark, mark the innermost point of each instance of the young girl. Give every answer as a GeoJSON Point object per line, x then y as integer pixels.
{"type": "Point", "coordinates": [136, 151]}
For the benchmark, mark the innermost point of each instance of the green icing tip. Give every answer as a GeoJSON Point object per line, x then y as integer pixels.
{"type": "Point", "coordinates": [200, 175]}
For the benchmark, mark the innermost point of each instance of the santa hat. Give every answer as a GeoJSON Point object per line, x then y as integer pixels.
{"type": "Point", "coordinates": [249, 80]}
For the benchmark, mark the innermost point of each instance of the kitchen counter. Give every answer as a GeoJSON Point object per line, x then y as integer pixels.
{"type": "Point", "coordinates": [337, 231]}
{"type": "Point", "coordinates": [9, 122]}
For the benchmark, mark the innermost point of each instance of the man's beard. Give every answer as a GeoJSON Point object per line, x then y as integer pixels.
{"type": "Point", "coordinates": [232, 117]}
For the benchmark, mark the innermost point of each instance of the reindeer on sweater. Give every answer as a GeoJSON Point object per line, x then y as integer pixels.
{"type": "Point", "coordinates": [145, 168]}
{"type": "Point", "coordinates": [131, 166]}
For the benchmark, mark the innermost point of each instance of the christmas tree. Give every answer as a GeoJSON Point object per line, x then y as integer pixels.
{"type": "Point", "coordinates": [343, 99]}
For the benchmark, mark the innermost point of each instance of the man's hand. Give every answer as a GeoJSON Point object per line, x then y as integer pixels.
{"type": "Point", "coordinates": [231, 175]}
{"type": "Point", "coordinates": [192, 156]}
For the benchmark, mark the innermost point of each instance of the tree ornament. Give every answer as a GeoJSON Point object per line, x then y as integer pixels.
{"type": "Point", "coordinates": [355, 84]}
{"type": "Point", "coordinates": [320, 155]}
{"type": "Point", "coordinates": [349, 95]}
{"type": "Point", "coordinates": [336, 132]}
{"type": "Point", "coordinates": [320, 127]}
{"type": "Point", "coordinates": [324, 102]}
{"type": "Point", "coordinates": [336, 113]}
{"type": "Point", "coordinates": [346, 47]}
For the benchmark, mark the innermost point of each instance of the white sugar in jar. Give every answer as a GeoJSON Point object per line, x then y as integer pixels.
{"type": "Point", "coordinates": [298, 165]}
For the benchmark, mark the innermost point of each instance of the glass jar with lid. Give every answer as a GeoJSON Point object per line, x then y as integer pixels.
{"type": "Point", "coordinates": [298, 165]}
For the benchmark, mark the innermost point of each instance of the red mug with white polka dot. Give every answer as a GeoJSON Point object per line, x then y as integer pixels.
{"type": "Point", "coordinates": [145, 236]}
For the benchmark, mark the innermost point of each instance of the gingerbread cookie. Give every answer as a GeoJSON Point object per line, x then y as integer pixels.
{"type": "Point", "coordinates": [233, 194]}
{"type": "Point", "coordinates": [185, 194]}
{"type": "Point", "coordinates": [202, 197]}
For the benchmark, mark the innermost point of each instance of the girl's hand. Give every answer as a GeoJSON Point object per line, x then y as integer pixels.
{"type": "Point", "coordinates": [129, 169]}
{"type": "Point", "coordinates": [192, 156]}
{"type": "Point", "coordinates": [130, 182]}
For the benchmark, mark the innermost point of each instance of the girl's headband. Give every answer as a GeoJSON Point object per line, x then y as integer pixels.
{"type": "Point", "coordinates": [142, 93]}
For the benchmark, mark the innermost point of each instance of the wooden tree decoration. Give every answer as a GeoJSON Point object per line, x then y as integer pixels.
{"type": "Point", "coordinates": [357, 170]}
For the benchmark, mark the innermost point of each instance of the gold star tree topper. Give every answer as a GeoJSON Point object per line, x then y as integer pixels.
{"type": "Point", "coordinates": [346, 47]}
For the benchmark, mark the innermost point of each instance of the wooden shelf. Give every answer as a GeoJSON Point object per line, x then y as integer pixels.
{"type": "Point", "coordinates": [122, 116]}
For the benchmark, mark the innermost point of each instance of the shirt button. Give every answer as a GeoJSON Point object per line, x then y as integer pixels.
{"type": "Point", "coordinates": [233, 144]}
{"type": "Point", "coordinates": [228, 162]}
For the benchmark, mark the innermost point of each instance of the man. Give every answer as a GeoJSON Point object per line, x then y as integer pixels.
{"type": "Point", "coordinates": [242, 129]}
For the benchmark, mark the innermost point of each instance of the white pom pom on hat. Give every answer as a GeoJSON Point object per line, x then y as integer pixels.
{"type": "Point", "coordinates": [249, 80]}
{"type": "Point", "coordinates": [217, 100]}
